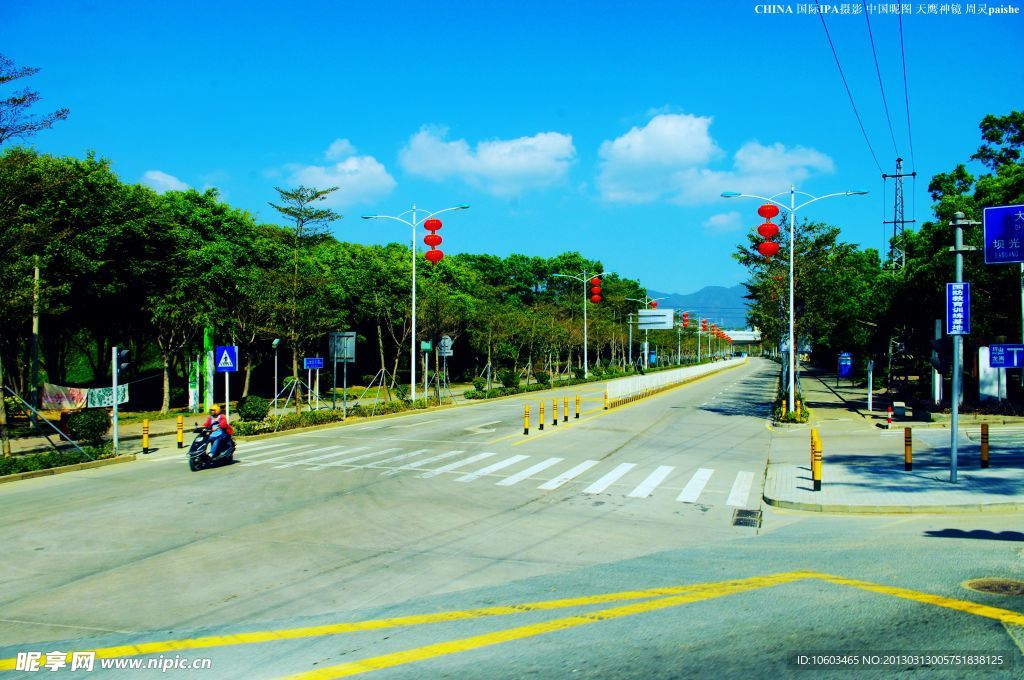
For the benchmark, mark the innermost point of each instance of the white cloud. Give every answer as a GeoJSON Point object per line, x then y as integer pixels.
{"type": "Point", "coordinates": [670, 159]}
{"type": "Point", "coordinates": [360, 179]}
{"type": "Point", "coordinates": [504, 167]}
{"type": "Point", "coordinates": [724, 222]}
{"type": "Point", "coordinates": [161, 182]}
{"type": "Point", "coordinates": [339, 148]}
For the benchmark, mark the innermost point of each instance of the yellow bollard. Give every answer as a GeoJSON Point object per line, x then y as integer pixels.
{"type": "Point", "coordinates": [908, 450]}
{"type": "Point", "coordinates": [565, 409]}
{"type": "Point", "coordinates": [984, 445]}
{"type": "Point", "coordinates": [541, 426]}
{"type": "Point", "coordinates": [526, 419]}
{"type": "Point", "coordinates": [181, 431]}
{"type": "Point", "coordinates": [797, 408]}
{"type": "Point", "coordinates": [606, 400]}
{"type": "Point", "coordinates": [816, 466]}
{"type": "Point", "coordinates": [783, 409]}
{"type": "Point", "coordinates": [554, 412]}
{"type": "Point", "coordinates": [145, 436]}
{"type": "Point", "coordinates": [577, 407]}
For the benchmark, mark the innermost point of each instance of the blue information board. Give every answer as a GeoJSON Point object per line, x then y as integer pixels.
{"type": "Point", "coordinates": [958, 309]}
{"type": "Point", "coordinates": [845, 365]}
{"type": "Point", "coordinates": [225, 358]}
{"type": "Point", "coordinates": [312, 363]}
{"type": "Point", "coordinates": [1006, 356]}
{"type": "Point", "coordinates": [1004, 234]}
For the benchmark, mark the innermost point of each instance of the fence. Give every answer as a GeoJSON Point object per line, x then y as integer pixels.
{"type": "Point", "coordinates": [642, 385]}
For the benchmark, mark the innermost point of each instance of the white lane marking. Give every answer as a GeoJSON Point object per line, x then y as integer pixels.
{"type": "Point", "coordinates": [353, 459]}
{"type": "Point", "coordinates": [457, 464]}
{"type": "Point", "coordinates": [501, 465]}
{"type": "Point", "coordinates": [646, 487]}
{"type": "Point", "coordinates": [335, 453]}
{"type": "Point", "coordinates": [610, 478]}
{"type": "Point", "coordinates": [416, 424]}
{"type": "Point", "coordinates": [740, 489]}
{"type": "Point", "coordinates": [242, 446]}
{"type": "Point", "coordinates": [568, 474]}
{"type": "Point", "coordinates": [263, 452]}
{"type": "Point", "coordinates": [529, 472]}
{"type": "Point", "coordinates": [265, 461]}
{"type": "Point", "coordinates": [420, 463]}
{"type": "Point", "coordinates": [691, 492]}
{"type": "Point", "coordinates": [395, 459]}
{"type": "Point", "coordinates": [482, 428]}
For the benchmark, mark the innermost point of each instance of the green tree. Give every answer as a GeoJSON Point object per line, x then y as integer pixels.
{"type": "Point", "coordinates": [15, 119]}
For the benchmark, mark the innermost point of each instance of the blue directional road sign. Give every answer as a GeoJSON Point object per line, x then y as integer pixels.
{"type": "Point", "coordinates": [1004, 234]}
{"type": "Point", "coordinates": [312, 363]}
{"type": "Point", "coordinates": [225, 358]}
{"type": "Point", "coordinates": [1005, 356]}
{"type": "Point", "coordinates": [958, 309]}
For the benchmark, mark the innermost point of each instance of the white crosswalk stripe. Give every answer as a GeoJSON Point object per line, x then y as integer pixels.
{"type": "Point", "coordinates": [457, 464]}
{"type": "Point", "coordinates": [419, 464]}
{"type": "Point", "coordinates": [395, 459]}
{"type": "Point", "coordinates": [334, 454]}
{"type": "Point", "coordinates": [571, 473]}
{"type": "Point", "coordinates": [346, 461]}
{"type": "Point", "coordinates": [610, 478]}
{"type": "Point", "coordinates": [740, 490]}
{"type": "Point", "coordinates": [691, 492]}
{"type": "Point", "coordinates": [266, 461]}
{"type": "Point", "coordinates": [245, 451]}
{"type": "Point", "coordinates": [647, 487]}
{"type": "Point", "coordinates": [244, 446]}
{"type": "Point", "coordinates": [500, 465]}
{"type": "Point", "coordinates": [529, 472]}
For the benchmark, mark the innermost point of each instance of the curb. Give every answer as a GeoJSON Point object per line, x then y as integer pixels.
{"type": "Point", "coordinates": [894, 509]}
{"type": "Point", "coordinates": [67, 468]}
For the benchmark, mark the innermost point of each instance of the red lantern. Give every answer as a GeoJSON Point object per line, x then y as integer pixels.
{"type": "Point", "coordinates": [433, 224]}
{"type": "Point", "coordinates": [654, 304]}
{"type": "Point", "coordinates": [432, 240]}
{"type": "Point", "coordinates": [686, 319]}
{"type": "Point", "coordinates": [434, 255]}
{"type": "Point", "coordinates": [768, 249]}
{"type": "Point", "coordinates": [596, 281]}
{"type": "Point", "coordinates": [768, 211]}
{"type": "Point", "coordinates": [768, 230]}
{"type": "Point", "coordinates": [595, 298]}
{"type": "Point", "coordinates": [596, 290]}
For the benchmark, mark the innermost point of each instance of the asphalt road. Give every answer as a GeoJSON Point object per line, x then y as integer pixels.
{"type": "Point", "coordinates": [441, 532]}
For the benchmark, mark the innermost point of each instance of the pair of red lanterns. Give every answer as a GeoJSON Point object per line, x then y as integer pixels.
{"type": "Point", "coordinates": [433, 240]}
{"type": "Point", "coordinates": [686, 319]}
{"type": "Point", "coordinates": [595, 290]}
{"type": "Point", "coordinates": [768, 231]}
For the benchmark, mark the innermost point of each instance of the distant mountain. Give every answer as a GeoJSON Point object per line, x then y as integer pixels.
{"type": "Point", "coordinates": [725, 306]}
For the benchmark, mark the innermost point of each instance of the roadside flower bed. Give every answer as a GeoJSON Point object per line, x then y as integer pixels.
{"type": "Point", "coordinates": [291, 421]}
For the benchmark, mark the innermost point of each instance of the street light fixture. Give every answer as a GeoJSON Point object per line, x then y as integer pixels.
{"type": "Point", "coordinates": [646, 345]}
{"type": "Point", "coordinates": [274, 344]}
{"type": "Point", "coordinates": [584, 278]}
{"type": "Point", "coordinates": [412, 224]}
{"type": "Point", "coordinates": [792, 207]}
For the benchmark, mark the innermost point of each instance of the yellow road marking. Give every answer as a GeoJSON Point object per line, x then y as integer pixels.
{"type": "Point", "coordinates": [477, 641]}
{"type": "Point", "coordinates": [985, 611]}
{"type": "Point", "coordinates": [162, 646]}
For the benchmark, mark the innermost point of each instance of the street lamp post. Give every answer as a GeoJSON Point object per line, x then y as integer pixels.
{"type": "Point", "coordinates": [412, 224]}
{"type": "Point", "coordinates": [584, 278]}
{"type": "Point", "coordinates": [277, 341]}
{"type": "Point", "coordinates": [793, 207]}
{"type": "Point", "coordinates": [647, 349]}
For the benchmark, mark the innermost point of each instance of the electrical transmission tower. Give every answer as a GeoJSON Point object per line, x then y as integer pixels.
{"type": "Point", "coordinates": [897, 251]}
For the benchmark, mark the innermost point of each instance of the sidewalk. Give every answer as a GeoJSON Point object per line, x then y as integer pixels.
{"type": "Point", "coordinates": [863, 470]}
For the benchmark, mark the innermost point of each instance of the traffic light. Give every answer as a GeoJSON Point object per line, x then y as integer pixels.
{"type": "Point", "coordinates": [122, 361]}
{"type": "Point", "coordinates": [595, 290]}
{"type": "Point", "coordinates": [942, 354]}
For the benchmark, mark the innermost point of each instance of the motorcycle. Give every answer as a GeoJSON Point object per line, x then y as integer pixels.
{"type": "Point", "coordinates": [199, 453]}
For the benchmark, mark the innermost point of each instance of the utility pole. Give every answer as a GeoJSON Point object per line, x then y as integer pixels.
{"type": "Point", "coordinates": [958, 249]}
{"type": "Point", "coordinates": [5, 443]}
{"type": "Point", "coordinates": [34, 370]}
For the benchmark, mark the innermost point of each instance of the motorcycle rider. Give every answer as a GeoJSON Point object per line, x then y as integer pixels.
{"type": "Point", "coordinates": [220, 429]}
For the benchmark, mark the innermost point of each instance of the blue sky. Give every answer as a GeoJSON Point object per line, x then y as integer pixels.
{"type": "Point", "coordinates": [605, 127]}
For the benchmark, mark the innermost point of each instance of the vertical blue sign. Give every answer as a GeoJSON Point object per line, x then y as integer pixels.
{"type": "Point", "coordinates": [1004, 234]}
{"type": "Point", "coordinates": [958, 309]}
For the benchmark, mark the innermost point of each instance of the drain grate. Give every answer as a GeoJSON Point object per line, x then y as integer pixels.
{"type": "Point", "coordinates": [996, 586]}
{"type": "Point", "coordinates": [747, 518]}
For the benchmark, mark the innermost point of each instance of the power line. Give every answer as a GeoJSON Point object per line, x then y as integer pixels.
{"type": "Point", "coordinates": [906, 96]}
{"type": "Point", "coordinates": [874, 54]}
{"type": "Point", "coordinates": [847, 86]}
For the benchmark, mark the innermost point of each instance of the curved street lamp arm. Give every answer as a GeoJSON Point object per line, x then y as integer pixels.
{"type": "Point", "coordinates": [438, 212]}
{"type": "Point", "coordinates": [769, 199]}
{"type": "Point", "coordinates": [389, 217]}
{"type": "Point", "coordinates": [838, 193]}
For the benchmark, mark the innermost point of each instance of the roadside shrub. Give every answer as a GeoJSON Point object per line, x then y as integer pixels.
{"type": "Point", "coordinates": [41, 461]}
{"type": "Point", "coordinates": [579, 373]}
{"type": "Point", "coordinates": [542, 377]}
{"type": "Point", "coordinates": [401, 391]}
{"type": "Point", "coordinates": [253, 408]}
{"type": "Point", "coordinates": [479, 384]}
{"type": "Point", "coordinates": [508, 378]}
{"type": "Point", "coordinates": [89, 425]}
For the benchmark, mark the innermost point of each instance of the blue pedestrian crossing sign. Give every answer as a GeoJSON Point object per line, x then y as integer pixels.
{"type": "Point", "coordinates": [312, 363]}
{"type": "Point", "coordinates": [225, 358]}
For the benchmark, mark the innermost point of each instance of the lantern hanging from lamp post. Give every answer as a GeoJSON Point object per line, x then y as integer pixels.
{"type": "Point", "coordinates": [433, 239]}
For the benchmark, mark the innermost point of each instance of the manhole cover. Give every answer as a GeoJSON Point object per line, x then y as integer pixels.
{"type": "Point", "coordinates": [746, 518]}
{"type": "Point", "coordinates": [996, 586]}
